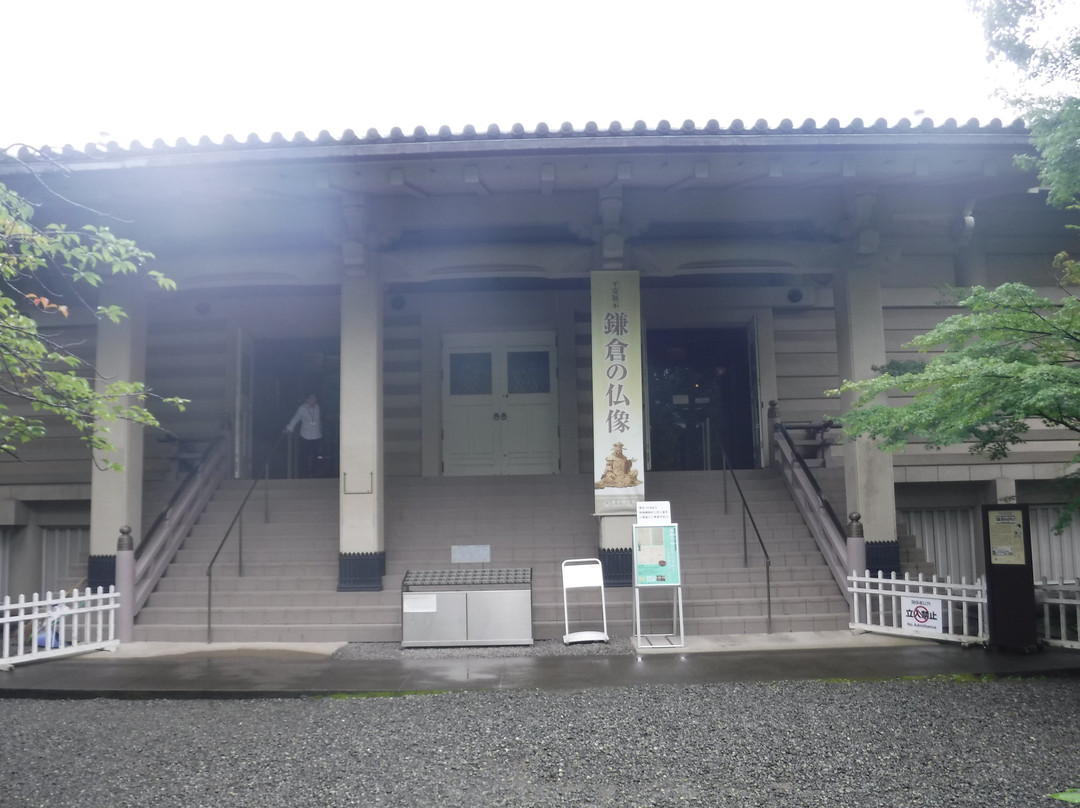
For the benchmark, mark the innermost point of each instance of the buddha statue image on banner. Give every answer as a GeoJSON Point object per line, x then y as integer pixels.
{"type": "Point", "coordinates": [619, 470]}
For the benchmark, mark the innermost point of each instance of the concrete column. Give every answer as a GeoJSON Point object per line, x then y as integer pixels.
{"type": "Point", "coordinates": [116, 496]}
{"type": "Point", "coordinates": [1004, 491]}
{"type": "Point", "coordinates": [362, 553]}
{"type": "Point", "coordinates": [971, 269]}
{"type": "Point", "coordinates": [868, 472]}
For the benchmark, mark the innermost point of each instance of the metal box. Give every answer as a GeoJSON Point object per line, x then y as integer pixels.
{"type": "Point", "coordinates": [466, 607]}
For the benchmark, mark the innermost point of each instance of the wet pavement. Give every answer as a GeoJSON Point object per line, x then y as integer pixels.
{"type": "Point", "coordinates": [193, 670]}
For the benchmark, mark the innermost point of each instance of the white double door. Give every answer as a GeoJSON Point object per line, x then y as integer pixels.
{"type": "Point", "coordinates": [500, 403]}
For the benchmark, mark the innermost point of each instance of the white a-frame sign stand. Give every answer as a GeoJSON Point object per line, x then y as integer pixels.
{"type": "Point", "coordinates": [656, 564]}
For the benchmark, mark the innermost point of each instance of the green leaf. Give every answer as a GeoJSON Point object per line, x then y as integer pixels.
{"type": "Point", "coordinates": [1069, 795]}
{"type": "Point", "coordinates": [44, 376]}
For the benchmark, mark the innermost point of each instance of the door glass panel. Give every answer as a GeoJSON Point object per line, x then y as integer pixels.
{"type": "Point", "coordinates": [699, 399]}
{"type": "Point", "coordinates": [528, 372]}
{"type": "Point", "coordinates": [470, 374]}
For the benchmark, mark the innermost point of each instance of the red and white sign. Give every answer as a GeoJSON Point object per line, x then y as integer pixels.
{"type": "Point", "coordinates": [921, 614]}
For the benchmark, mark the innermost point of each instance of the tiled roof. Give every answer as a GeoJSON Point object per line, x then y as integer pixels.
{"type": "Point", "coordinates": [517, 132]}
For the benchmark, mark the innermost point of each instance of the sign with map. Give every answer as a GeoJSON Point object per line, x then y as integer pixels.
{"type": "Point", "coordinates": [1006, 528]}
{"type": "Point", "coordinates": [656, 555]}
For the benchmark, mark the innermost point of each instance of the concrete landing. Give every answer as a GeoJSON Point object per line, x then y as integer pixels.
{"type": "Point", "coordinates": [192, 670]}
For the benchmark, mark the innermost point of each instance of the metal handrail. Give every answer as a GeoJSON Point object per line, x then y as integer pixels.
{"type": "Point", "coordinates": [748, 514]}
{"type": "Point", "coordinates": [238, 518]}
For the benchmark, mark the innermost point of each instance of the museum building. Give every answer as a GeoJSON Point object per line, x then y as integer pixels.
{"type": "Point", "coordinates": [513, 337]}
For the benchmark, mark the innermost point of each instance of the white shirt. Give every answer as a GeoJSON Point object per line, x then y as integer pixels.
{"type": "Point", "coordinates": [310, 421]}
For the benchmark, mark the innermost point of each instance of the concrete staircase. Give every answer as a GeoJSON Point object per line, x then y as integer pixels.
{"type": "Point", "coordinates": [913, 558]}
{"type": "Point", "coordinates": [288, 590]}
{"type": "Point", "coordinates": [723, 594]}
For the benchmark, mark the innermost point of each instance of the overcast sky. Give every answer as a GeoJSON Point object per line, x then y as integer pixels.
{"type": "Point", "coordinates": [129, 70]}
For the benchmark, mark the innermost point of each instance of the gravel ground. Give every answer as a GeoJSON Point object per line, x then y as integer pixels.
{"type": "Point", "coordinates": [899, 743]}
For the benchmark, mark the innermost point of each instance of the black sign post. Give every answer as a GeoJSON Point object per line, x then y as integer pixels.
{"type": "Point", "coordinates": [1010, 585]}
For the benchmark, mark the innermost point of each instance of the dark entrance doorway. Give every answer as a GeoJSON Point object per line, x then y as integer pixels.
{"type": "Point", "coordinates": [700, 399]}
{"type": "Point", "coordinates": [286, 372]}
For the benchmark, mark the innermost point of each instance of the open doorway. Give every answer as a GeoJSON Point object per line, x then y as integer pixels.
{"type": "Point", "coordinates": [700, 399]}
{"type": "Point", "coordinates": [286, 372]}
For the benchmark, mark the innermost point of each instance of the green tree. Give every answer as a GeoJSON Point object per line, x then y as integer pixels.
{"type": "Point", "coordinates": [1039, 41]}
{"type": "Point", "coordinates": [39, 375]}
{"type": "Point", "coordinates": [1013, 356]}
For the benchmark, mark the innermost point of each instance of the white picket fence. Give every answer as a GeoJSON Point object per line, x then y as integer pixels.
{"type": "Point", "coordinates": [955, 612]}
{"type": "Point", "coordinates": [58, 625]}
{"type": "Point", "coordinates": [915, 607]}
{"type": "Point", "coordinates": [1060, 603]}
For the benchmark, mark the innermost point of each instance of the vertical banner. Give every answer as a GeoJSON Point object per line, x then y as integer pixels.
{"type": "Point", "coordinates": [618, 407]}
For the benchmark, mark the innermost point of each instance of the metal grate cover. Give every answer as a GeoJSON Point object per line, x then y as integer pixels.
{"type": "Point", "coordinates": [486, 577]}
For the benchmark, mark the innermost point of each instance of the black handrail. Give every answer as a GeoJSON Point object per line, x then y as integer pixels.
{"type": "Point", "coordinates": [238, 517]}
{"type": "Point", "coordinates": [824, 500]}
{"type": "Point", "coordinates": [748, 514]}
{"type": "Point", "coordinates": [148, 535]}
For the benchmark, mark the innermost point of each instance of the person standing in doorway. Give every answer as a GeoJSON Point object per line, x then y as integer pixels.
{"type": "Point", "coordinates": [310, 421]}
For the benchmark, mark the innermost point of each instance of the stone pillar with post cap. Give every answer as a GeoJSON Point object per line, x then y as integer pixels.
{"type": "Point", "coordinates": [125, 585]}
{"type": "Point", "coordinates": [856, 544]}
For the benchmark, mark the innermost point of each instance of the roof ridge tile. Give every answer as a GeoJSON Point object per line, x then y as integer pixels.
{"type": "Point", "coordinates": [566, 130]}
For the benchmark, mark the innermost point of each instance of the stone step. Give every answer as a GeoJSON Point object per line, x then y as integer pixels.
{"type": "Point", "coordinates": [255, 569]}
{"type": "Point", "coordinates": [786, 540]}
{"type": "Point", "coordinates": [230, 582]}
{"type": "Point", "coordinates": [651, 608]}
{"type": "Point", "coordinates": [324, 548]}
{"type": "Point", "coordinates": [288, 592]}
{"type": "Point", "coordinates": [548, 630]}
{"type": "Point", "coordinates": [255, 615]}
{"type": "Point", "coordinates": [300, 554]}
{"type": "Point", "coordinates": [277, 598]}
{"type": "Point", "coordinates": [531, 506]}
{"type": "Point", "coordinates": [295, 487]}
{"type": "Point", "coordinates": [213, 534]}
{"type": "Point", "coordinates": [755, 574]}
{"type": "Point", "coordinates": [281, 514]}
{"type": "Point", "coordinates": [269, 632]}
{"type": "Point", "coordinates": [269, 595]}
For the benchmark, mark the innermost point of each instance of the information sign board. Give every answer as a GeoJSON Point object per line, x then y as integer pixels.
{"type": "Point", "coordinates": [1006, 531]}
{"type": "Point", "coordinates": [656, 555]}
{"type": "Point", "coordinates": [1010, 587]}
{"type": "Point", "coordinates": [654, 513]}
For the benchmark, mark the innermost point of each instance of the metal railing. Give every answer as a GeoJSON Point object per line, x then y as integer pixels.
{"type": "Point", "coordinates": [238, 522]}
{"type": "Point", "coordinates": [748, 517]}
{"type": "Point", "coordinates": [824, 524]}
